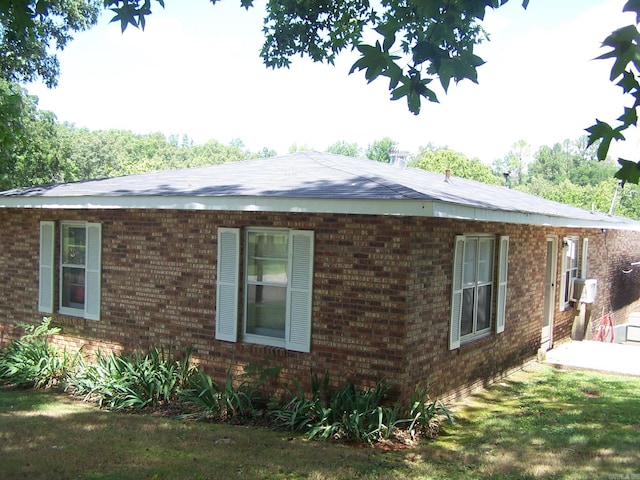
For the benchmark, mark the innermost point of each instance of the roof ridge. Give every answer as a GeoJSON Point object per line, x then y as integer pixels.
{"type": "Point", "coordinates": [330, 164]}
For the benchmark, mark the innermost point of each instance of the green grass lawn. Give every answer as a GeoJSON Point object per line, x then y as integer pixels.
{"type": "Point", "coordinates": [539, 423]}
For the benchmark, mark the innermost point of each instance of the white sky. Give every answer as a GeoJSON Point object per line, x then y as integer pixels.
{"type": "Point", "coordinates": [196, 70]}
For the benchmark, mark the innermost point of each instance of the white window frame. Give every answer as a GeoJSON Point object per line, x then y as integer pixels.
{"type": "Point", "coordinates": [48, 264]}
{"type": "Point", "coordinates": [499, 256]}
{"type": "Point", "coordinates": [570, 269]}
{"type": "Point", "coordinates": [297, 335]}
{"type": "Point", "coordinates": [247, 284]}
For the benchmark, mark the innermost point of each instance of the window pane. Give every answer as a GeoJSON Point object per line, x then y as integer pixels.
{"type": "Point", "coordinates": [73, 287]}
{"type": "Point", "coordinates": [267, 271]}
{"type": "Point", "coordinates": [73, 245]}
{"type": "Point", "coordinates": [572, 253]}
{"type": "Point", "coordinates": [268, 245]}
{"type": "Point", "coordinates": [469, 273]}
{"type": "Point", "coordinates": [484, 308]}
{"type": "Point", "coordinates": [266, 310]}
{"type": "Point", "coordinates": [567, 285]}
{"type": "Point", "coordinates": [466, 320]}
{"type": "Point", "coordinates": [485, 261]}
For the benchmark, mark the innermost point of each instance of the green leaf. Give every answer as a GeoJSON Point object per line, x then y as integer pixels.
{"type": "Point", "coordinates": [126, 15]}
{"type": "Point", "coordinates": [624, 43]}
{"type": "Point", "coordinates": [388, 30]}
{"type": "Point", "coordinates": [425, 50]}
{"type": "Point", "coordinates": [630, 171]}
{"type": "Point", "coordinates": [633, 6]}
{"type": "Point", "coordinates": [629, 117]}
{"type": "Point", "coordinates": [603, 131]}
{"type": "Point", "coordinates": [375, 61]}
{"type": "Point", "coordinates": [414, 87]}
{"type": "Point", "coordinates": [628, 82]}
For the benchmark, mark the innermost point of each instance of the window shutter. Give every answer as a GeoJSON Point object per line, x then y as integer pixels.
{"type": "Point", "coordinates": [585, 251]}
{"type": "Point", "coordinates": [503, 256]}
{"type": "Point", "coordinates": [227, 287]}
{"type": "Point", "coordinates": [456, 295]}
{"type": "Point", "coordinates": [93, 271]}
{"type": "Point", "coordinates": [299, 295]}
{"type": "Point", "coordinates": [46, 281]}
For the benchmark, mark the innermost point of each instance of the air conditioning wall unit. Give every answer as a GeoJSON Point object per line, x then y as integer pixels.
{"type": "Point", "coordinates": [584, 290]}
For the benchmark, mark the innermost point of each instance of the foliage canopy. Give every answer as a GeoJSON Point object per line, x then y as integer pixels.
{"type": "Point", "coordinates": [408, 43]}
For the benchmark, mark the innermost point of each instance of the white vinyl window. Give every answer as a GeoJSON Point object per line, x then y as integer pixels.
{"type": "Point", "coordinates": [277, 285]}
{"type": "Point", "coordinates": [474, 285]}
{"type": "Point", "coordinates": [266, 284]}
{"type": "Point", "coordinates": [79, 269]}
{"type": "Point", "coordinates": [569, 269]}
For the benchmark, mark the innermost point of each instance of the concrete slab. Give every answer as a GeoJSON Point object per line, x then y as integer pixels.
{"type": "Point", "coordinates": [599, 356]}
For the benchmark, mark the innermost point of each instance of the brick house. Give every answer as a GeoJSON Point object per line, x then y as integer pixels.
{"type": "Point", "coordinates": [314, 261]}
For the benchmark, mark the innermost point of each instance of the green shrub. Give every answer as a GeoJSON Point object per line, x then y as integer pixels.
{"type": "Point", "coordinates": [120, 382]}
{"type": "Point", "coordinates": [344, 413]}
{"type": "Point", "coordinates": [229, 402]}
{"type": "Point", "coordinates": [32, 361]}
{"type": "Point", "coordinates": [425, 414]}
{"type": "Point", "coordinates": [154, 379]}
{"type": "Point", "coordinates": [350, 413]}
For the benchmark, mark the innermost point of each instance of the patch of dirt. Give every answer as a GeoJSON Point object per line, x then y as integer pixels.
{"type": "Point", "coordinates": [591, 394]}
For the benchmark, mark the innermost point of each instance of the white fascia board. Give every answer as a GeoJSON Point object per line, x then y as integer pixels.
{"type": "Point", "coordinates": [406, 207]}
{"type": "Point", "coordinates": [461, 212]}
{"type": "Point", "coordinates": [243, 204]}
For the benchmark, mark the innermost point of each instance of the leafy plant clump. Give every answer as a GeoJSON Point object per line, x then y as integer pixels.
{"type": "Point", "coordinates": [121, 382]}
{"type": "Point", "coordinates": [349, 413]}
{"type": "Point", "coordinates": [32, 361]}
{"type": "Point", "coordinates": [229, 402]}
{"type": "Point", "coordinates": [155, 380]}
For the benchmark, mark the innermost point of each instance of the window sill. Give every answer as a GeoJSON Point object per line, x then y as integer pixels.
{"type": "Point", "coordinates": [264, 340]}
{"type": "Point", "coordinates": [71, 312]}
{"type": "Point", "coordinates": [477, 343]}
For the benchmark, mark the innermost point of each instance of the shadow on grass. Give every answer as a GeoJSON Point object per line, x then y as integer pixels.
{"type": "Point", "coordinates": [540, 423]}
{"type": "Point", "coordinates": [76, 440]}
{"type": "Point", "coordinates": [549, 424]}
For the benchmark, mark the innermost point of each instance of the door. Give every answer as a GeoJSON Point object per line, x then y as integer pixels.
{"type": "Point", "coordinates": [549, 293]}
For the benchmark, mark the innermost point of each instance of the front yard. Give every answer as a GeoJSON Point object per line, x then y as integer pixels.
{"type": "Point", "coordinates": [539, 423]}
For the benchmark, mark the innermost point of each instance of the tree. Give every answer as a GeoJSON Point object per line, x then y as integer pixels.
{"type": "Point", "coordinates": [409, 43]}
{"type": "Point", "coordinates": [31, 30]}
{"type": "Point", "coordinates": [379, 150]}
{"type": "Point", "coordinates": [344, 148]}
{"type": "Point", "coordinates": [33, 152]}
{"type": "Point", "coordinates": [624, 44]}
{"type": "Point", "coordinates": [443, 159]}
{"type": "Point", "coordinates": [514, 165]}
{"type": "Point", "coordinates": [303, 147]}
{"type": "Point", "coordinates": [15, 105]}
{"type": "Point", "coordinates": [572, 160]}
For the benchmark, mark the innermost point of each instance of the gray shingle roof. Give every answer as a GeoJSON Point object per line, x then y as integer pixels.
{"type": "Point", "coordinates": [318, 176]}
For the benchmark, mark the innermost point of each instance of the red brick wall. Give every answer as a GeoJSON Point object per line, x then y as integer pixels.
{"type": "Point", "coordinates": [382, 292]}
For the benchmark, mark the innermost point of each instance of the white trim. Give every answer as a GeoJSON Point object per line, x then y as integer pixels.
{"type": "Point", "coordinates": [299, 291]}
{"type": "Point", "coordinates": [565, 289]}
{"type": "Point", "coordinates": [227, 284]}
{"type": "Point", "coordinates": [503, 262]}
{"type": "Point", "coordinates": [585, 254]}
{"type": "Point", "coordinates": [456, 292]}
{"type": "Point", "coordinates": [403, 207]}
{"type": "Point", "coordinates": [46, 281]}
{"type": "Point", "coordinates": [551, 269]}
{"type": "Point", "coordinates": [93, 271]}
